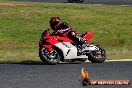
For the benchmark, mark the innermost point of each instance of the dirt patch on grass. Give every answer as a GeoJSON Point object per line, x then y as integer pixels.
{"type": "Point", "coordinates": [13, 4]}
{"type": "Point", "coordinates": [19, 56]}
{"type": "Point", "coordinates": [124, 54]}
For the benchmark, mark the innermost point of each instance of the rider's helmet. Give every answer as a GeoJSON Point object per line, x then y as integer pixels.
{"type": "Point", "coordinates": [55, 22]}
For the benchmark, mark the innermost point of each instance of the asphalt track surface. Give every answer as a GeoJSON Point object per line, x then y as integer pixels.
{"type": "Point", "coordinates": [109, 2]}
{"type": "Point", "coordinates": [63, 75]}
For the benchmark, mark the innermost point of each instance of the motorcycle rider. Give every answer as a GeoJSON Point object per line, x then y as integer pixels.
{"type": "Point", "coordinates": [63, 29]}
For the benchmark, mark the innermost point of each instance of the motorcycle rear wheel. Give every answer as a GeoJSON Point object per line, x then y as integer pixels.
{"type": "Point", "coordinates": [49, 57]}
{"type": "Point", "coordinates": [98, 56]}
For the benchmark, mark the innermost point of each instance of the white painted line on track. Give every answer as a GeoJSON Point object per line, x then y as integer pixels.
{"type": "Point", "coordinates": [119, 60]}
{"type": "Point", "coordinates": [111, 4]}
{"type": "Point", "coordinates": [115, 60]}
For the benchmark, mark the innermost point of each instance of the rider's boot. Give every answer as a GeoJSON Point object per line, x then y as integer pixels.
{"type": "Point", "coordinates": [85, 47]}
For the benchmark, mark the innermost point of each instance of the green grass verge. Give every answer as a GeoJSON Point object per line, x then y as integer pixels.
{"type": "Point", "coordinates": [21, 24]}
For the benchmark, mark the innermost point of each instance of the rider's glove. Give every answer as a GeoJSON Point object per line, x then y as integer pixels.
{"type": "Point", "coordinates": [60, 31]}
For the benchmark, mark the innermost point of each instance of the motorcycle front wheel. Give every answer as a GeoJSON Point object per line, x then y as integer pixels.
{"type": "Point", "coordinates": [97, 56]}
{"type": "Point", "coordinates": [49, 57]}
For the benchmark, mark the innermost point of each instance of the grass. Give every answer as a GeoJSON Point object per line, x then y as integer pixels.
{"type": "Point", "coordinates": [21, 24]}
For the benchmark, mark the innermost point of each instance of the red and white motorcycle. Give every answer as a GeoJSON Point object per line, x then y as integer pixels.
{"type": "Point", "coordinates": [53, 49]}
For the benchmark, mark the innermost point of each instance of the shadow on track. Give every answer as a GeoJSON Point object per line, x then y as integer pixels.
{"type": "Point", "coordinates": [24, 62]}
{"type": "Point", "coordinates": [37, 63]}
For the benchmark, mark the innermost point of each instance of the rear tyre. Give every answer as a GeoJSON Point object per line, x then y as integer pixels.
{"type": "Point", "coordinates": [97, 56]}
{"type": "Point", "coordinates": [49, 57]}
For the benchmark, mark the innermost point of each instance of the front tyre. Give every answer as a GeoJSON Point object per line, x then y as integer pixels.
{"type": "Point", "coordinates": [97, 56]}
{"type": "Point", "coordinates": [49, 57]}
